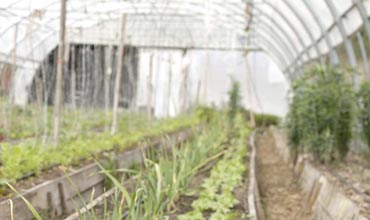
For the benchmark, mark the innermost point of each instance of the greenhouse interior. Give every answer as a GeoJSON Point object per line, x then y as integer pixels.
{"type": "Point", "coordinates": [184, 110]}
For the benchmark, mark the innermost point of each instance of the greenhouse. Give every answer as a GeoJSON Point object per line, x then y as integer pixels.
{"type": "Point", "coordinates": [184, 109]}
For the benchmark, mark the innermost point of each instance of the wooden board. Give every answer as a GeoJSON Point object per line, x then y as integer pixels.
{"type": "Point", "coordinates": [326, 199]}
{"type": "Point", "coordinates": [59, 197]}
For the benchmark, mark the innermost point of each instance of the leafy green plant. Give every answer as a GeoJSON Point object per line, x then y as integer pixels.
{"type": "Point", "coordinates": [364, 110]}
{"type": "Point", "coordinates": [234, 100]}
{"type": "Point", "coordinates": [217, 195]}
{"type": "Point", "coordinates": [265, 120]}
{"type": "Point", "coordinates": [321, 114]}
{"type": "Point", "coordinates": [167, 175]}
{"type": "Point", "coordinates": [18, 160]}
{"type": "Point", "coordinates": [205, 113]}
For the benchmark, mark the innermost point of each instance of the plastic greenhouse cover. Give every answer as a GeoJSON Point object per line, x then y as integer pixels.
{"type": "Point", "coordinates": [173, 23]}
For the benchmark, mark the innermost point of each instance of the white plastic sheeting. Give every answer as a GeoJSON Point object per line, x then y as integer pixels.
{"type": "Point", "coordinates": [172, 23]}
{"type": "Point", "coordinates": [269, 88]}
{"type": "Point", "coordinates": [291, 32]}
{"type": "Point", "coordinates": [158, 23]}
{"type": "Point", "coordinates": [278, 12]}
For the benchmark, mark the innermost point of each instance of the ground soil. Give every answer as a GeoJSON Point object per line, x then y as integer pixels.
{"type": "Point", "coordinates": [282, 199]}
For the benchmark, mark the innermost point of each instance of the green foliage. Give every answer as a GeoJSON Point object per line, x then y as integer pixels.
{"type": "Point", "coordinates": [234, 100]}
{"type": "Point", "coordinates": [265, 120]}
{"type": "Point", "coordinates": [205, 113]}
{"type": "Point", "coordinates": [321, 114]}
{"type": "Point", "coordinates": [364, 109]}
{"type": "Point", "coordinates": [27, 157]}
{"type": "Point", "coordinates": [217, 195]}
{"type": "Point", "coordinates": [166, 176]}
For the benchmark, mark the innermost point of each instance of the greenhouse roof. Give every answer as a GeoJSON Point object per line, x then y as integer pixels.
{"type": "Point", "coordinates": [291, 32]}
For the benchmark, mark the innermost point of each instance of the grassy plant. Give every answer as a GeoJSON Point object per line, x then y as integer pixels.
{"type": "Point", "coordinates": [234, 100]}
{"type": "Point", "coordinates": [364, 108]}
{"type": "Point", "coordinates": [34, 156]}
{"type": "Point", "coordinates": [265, 120]}
{"type": "Point", "coordinates": [321, 114]}
{"type": "Point", "coordinates": [28, 204]}
{"type": "Point", "coordinates": [217, 195]}
{"type": "Point", "coordinates": [167, 174]}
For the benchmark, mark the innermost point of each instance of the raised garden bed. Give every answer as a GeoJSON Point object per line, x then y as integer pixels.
{"type": "Point", "coordinates": [327, 195]}
{"type": "Point", "coordinates": [169, 186]}
{"type": "Point", "coordinates": [56, 197]}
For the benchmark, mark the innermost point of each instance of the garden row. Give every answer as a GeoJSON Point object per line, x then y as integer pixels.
{"type": "Point", "coordinates": [325, 113]}
{"type": "Point", "coordinates": [198, 180]}
{"type": "Point", "coordinates": [208, 171]}
{"type": "Point", "coordinates": [36, 121]}
{"type": "Point", "coordinates": [33, 157]}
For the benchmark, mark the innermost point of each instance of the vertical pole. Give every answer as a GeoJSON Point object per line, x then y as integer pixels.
{"type": "Point", "coordinates": [184, 92]}
{"type": "Point", "coordinates": [14, 64]}
{"type": "Point", "coordinates": [205, 83]}
{"type": "Point", "coordinates": [73, 77]}
{"type": "Point", "coordinates": [198, 92]}
{"type": "Point", "coordinates": [169, 84]}
{"type": "Point", "coordinates": [249, 92]}
{"type": "Point", "coordinates": [149, 89]}
{"type": "Point", "coordinates": [58, 86]}
{"type": "Point", "coordinates": [364, 56]}
{"type": "Point", "coordinates": [117, 86]}
{"type": "Point", "coordinates": [108, 72]}
{"type": "Point", "coordinates": [97, 74]}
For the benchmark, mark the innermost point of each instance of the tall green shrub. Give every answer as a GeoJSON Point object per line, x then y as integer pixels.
{"type": "Point", "coordinates": [364, 109]}
{"type": "Point", "coordinates": [321, 114]}
{"type": "Point", "coordinates": [234, 100]}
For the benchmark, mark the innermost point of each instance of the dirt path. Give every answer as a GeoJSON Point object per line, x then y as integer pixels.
{"type": "Point", "coordinates": [281, 196]}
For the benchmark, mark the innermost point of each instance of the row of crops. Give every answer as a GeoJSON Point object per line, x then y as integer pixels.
{"type": "Point", "coordinates": [34, 156]}
{"type": "Point", "coordinates": [207, 171]}
{"type": "Point", "coordinates": [165, 180]}
{"type": "Point", "coordinates": [153, 191]}
{"type": "Point", "coordinates": [326, 114]}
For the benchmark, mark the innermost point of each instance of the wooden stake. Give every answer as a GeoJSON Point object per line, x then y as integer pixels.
{"type": "Point", "coordinates": [249, 93]}
{"type": "Point", "coordinates": [108, 72]}
{"type": "Point", "coordinates": [73, 77]}
{"type": "Point", "coordinates": [205, 83]}
{"type": "Point", "coordinates": [169, 84]}
{"type": "Point", "coordinates": [149, 88]}
{"type": "Point", "coordinates": [58, 86]}
{"type": "Point", "coordinates": [117, 86]}
{"type": "Point", "coordinates": [184, 96]}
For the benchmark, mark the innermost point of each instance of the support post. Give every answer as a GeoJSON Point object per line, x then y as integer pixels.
{"type": "Point", "coordinates": [205, 82]}
{"type": "Point", "coordinates": [169, 84]}
{"type": "Point", "coordinates": [117, 86]}
{"type": "Point", "coordinates": [58, 86]}
{"type": "Point", "coordinates": [249, 92]}
{"type": "Point", "coordinates": [108, 54]}
{"type": "Point", "coordinates": [149, 89]}
{"type": "Point", "coordinates": [184, 87]}
{"type": "Point", "coordinates": [73, 77]}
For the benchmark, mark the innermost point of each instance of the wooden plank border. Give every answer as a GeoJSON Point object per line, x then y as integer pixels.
{"type": "Point", "coordinates": [58, 197]}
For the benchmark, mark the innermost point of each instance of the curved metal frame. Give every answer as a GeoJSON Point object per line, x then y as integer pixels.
{"type": "Point", "coordinates": [282, 31]}
{"type": "Point", "coordinates": [291, 26]}
{"type": "Point", "coordinates": [305, 25]}
{"type": "Point", "coordinates": [332, 53]}
{"type": "Point", "coordinates": [347, 43]}
{"type": "Point", "coordinates": [276, 50]}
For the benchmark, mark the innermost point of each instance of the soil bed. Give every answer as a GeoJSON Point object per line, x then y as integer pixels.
{"type": "Point", "coordinates": [282, 198]}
